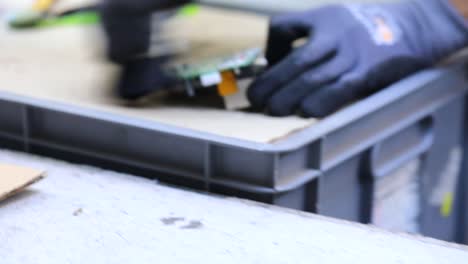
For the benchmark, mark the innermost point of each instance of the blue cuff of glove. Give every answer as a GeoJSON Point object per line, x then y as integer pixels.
{"type": "Point", "coordinates": [445, 32]}
{"type": "Point", "coordinates": [456, 16]}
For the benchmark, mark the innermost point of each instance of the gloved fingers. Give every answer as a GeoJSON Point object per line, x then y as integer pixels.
{"type": "Point", "coordinates": [299, 61]}
{"type": "Point", "coordinates": [283, 31]}
{"type": "Point", "coordinates": [332, 97]}
{"type": "Point", "coordinates": [140, 7]}
{"type": "Point", "coordinates": [128, 37]}
{"type": "Point", "coordinates": [144, 5]}
{"type": "Point", "coordinates": [288, 99]}
{"type": "Point", "coordinates": [142, 77]}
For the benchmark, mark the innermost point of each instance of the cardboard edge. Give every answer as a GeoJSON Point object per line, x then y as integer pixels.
{"type": "Point", "coordinates": [23, 186]}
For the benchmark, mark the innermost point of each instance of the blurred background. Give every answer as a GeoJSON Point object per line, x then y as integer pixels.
{"type": "Point", "coordinates": [275, 6]}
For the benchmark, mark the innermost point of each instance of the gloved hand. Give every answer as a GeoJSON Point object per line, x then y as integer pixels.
{"type": "Point", "coordinates": [352, 51]}
{"type": "Point", "coordinates": [128, 27]}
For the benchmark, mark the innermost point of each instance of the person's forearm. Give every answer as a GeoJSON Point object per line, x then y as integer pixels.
{"type": "Point", "coordinates": [462, 6]}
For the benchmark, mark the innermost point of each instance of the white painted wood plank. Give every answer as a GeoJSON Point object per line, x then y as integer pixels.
{"type": "Point", "coordinates": [80, 214]}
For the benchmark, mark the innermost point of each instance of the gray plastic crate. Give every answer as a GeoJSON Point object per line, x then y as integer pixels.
{"type": "Point", "coordinates": [329, 168]}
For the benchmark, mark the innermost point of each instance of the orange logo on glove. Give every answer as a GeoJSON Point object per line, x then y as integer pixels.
{"type": "Point", "coordinates": [380, 25]}
{"type": "Point", "coordinates": [384, 31]}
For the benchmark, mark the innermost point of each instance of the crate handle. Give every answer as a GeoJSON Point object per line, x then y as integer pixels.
{"type": "Point", "coordinates": [410, 154]}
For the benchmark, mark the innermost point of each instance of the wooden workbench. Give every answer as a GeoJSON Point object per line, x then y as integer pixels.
{"type": "Point", "coordinates": [81, 214]}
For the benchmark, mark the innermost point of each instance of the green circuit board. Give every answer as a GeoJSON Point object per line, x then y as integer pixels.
{"type": "Point", "coordinates": [237, 61]}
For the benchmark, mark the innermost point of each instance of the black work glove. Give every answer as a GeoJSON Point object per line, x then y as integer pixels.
{"type": "Point", "coordinates": [352, 51]}
{"type": "Point", "coordinates": [128, 25]}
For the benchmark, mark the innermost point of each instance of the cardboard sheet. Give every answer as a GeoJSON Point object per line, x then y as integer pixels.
{"type": "Point", "coordinates": [66, 65]}
{"type": "Point", "coordinates": [14, 179]}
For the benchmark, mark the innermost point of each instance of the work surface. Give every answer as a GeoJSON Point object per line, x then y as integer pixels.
{"type": "Point", "coordinates": [81, 214]}
{"type": "Point", "coordinates": [65, 65]}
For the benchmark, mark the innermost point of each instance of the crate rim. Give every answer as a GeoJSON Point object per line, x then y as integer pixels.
{"type": "Point", "coordinates": [293, 142]}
